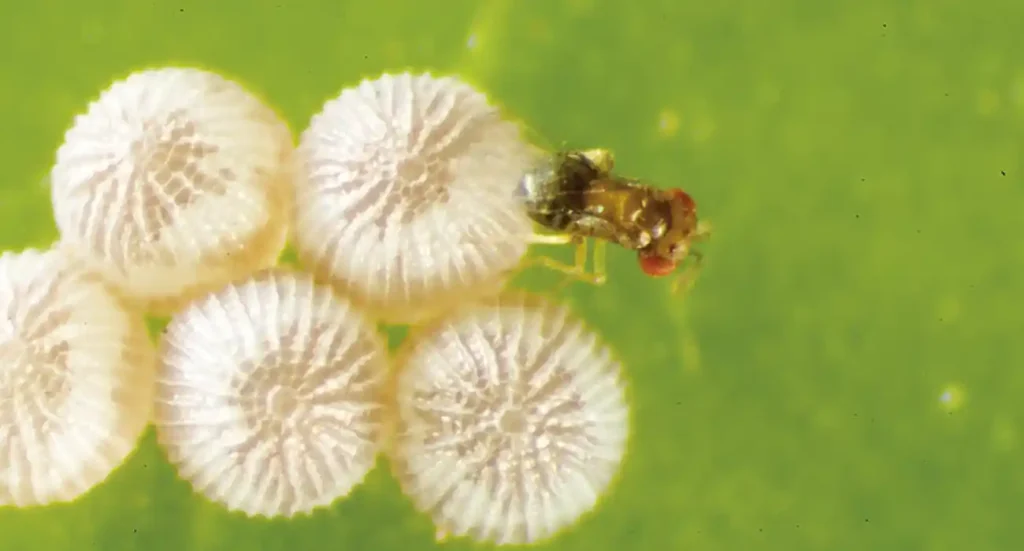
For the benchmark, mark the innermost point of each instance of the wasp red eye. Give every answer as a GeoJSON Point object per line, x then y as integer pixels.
{"type": "Point", "coordinates": [655, 266]}
{"type": "Point", "coordinates": [685, 199]}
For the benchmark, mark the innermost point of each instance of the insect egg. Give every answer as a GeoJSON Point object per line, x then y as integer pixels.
{"type": "Point", "coordinates": [405, 198]}
{"type": "Point", "coordinates": [511, 421]}
{"type": "Point", "coordinates": [173, 182]}
{"type": "Point", "coordinates": [76, 379]}
{"type": "Point", "coordinates": [269, 395]}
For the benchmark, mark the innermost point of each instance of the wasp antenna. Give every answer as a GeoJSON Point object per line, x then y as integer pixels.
{"type": "Point", "coordinates": [684, 282]}
{"type": "Point", "coordinates": [602, 158]}
{"type": "Point", "coordinates": [703, 232]}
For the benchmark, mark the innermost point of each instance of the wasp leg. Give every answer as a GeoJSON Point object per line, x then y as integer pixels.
{"type": "Point", "coordinates": [598, 275]}
{"type": "Point", "coordinates": [600, 262]}
{"type": "Point", "coordinates": [551, 239]}
{"type": "Point", "coordinates": [577, 271]}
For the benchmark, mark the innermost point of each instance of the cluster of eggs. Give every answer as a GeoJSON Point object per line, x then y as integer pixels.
{"type": "Point", "coordinates": [271, 392]}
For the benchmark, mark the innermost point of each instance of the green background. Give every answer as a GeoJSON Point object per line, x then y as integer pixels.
{"type": "Point", "coordinates": [861, 162]}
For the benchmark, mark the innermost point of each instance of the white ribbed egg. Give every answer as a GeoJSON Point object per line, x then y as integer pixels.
{"type": "Point", "coordinates": [76, 379]}
{"type": "Point", "coordinates": [173, 182]}
{"type": "Point", "coordinates": [512, 420]}
{"type": "Point", "coordinates": [270, 395]}
{"type": "Point", "coordinates": [406, 195]}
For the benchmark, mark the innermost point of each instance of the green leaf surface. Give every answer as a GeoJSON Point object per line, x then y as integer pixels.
{"type": "Point", "coordinates": [846, 375]}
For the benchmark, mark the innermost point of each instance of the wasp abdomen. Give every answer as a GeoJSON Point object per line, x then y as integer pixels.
{"type": "Point", "coordinates": [545, 199]}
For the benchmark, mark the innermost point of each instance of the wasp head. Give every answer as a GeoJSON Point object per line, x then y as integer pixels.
{"type": "Point", "coordinates": [670, 244]}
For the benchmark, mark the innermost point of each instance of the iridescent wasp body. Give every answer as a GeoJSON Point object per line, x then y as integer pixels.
{"type": "Point", "coordinates": [575, 196]}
